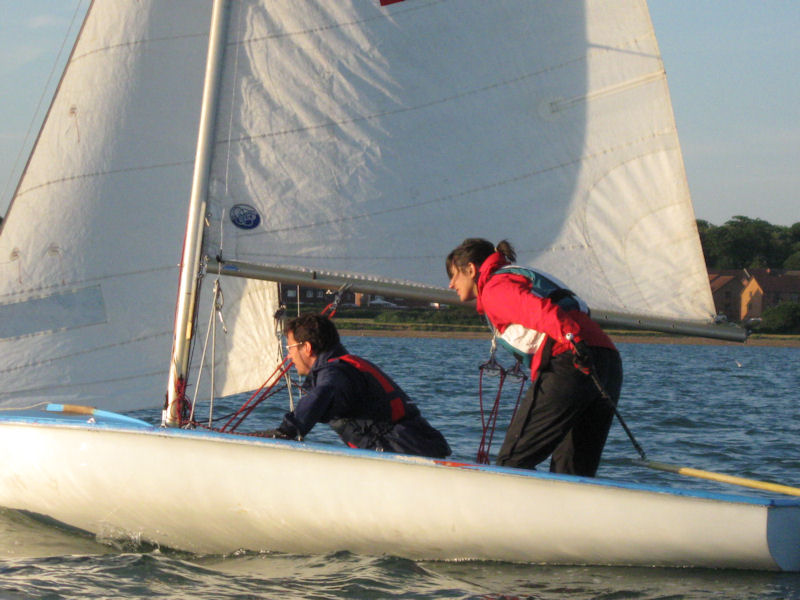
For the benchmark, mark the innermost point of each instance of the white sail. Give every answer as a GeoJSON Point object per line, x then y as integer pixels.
{"type": "Point", "coordinates": [372, 139]}
{"type": "Point", "coordinates": [90, 248]}
{"type": "Point", "coordinates": [350, 137]}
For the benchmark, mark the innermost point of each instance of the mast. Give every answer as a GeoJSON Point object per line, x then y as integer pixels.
{"type": "Point", "coordinates": [190, 261]}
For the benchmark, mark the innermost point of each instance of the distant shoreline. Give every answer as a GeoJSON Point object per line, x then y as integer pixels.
{"type": "Point", "coordinates": [623, 337]}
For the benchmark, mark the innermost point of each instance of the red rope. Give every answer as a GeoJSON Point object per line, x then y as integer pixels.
{"type": "Point", "coordinates": [183, 403]}
{"type": "Point", "coordinates": [489, 423]}
{"type": "Point", "coordinates": [257, 397]}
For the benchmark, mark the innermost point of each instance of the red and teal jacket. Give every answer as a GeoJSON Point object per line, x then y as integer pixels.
{"type": "Point", "coordinates": [517, 309]}
{"type": "Point", "coordinates": [364, 406]}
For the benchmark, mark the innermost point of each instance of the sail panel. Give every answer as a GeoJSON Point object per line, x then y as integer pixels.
{"type": "Point", "coordinates": [246, 349]}
{"type": "Point", "coordinates": [370, 139]}
{"type": "Point", "coordinates": [97, 221]}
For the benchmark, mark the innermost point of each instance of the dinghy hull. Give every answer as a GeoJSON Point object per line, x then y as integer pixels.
{"type": "Point", "coordinates": [216, 494]}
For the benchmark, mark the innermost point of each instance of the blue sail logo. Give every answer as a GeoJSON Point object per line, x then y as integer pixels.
{"type": "Point", "coordinates": [245, 216]}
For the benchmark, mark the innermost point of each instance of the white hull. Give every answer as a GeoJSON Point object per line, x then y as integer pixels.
{"type": "Point", "coordinates": [225, 493]}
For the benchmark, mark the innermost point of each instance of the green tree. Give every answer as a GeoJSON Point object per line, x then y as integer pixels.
{"type": "Point", "coordinates": [784, 318]}
{"type": "Point", "coordinates": [792, 262]}
{"type": "Point", "coordinates": [743, 243]}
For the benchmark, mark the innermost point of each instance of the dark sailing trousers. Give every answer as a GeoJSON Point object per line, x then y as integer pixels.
{"type": "Point", "coordinates": [563, 414]}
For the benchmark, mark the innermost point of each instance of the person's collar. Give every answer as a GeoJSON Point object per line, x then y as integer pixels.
{"type": "Point", "coordinates": [324, 356]}
{"type": "Point", "coordinates": [493, 262]}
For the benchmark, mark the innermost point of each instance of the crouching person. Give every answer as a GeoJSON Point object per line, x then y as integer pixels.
{"type": "Point", "coordinates": [359, 401]}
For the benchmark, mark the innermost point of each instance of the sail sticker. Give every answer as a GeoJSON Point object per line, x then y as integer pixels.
{"type": "Point", "coordinates": [245, 216]}
{"type": "Point", "coordinates": [55, 312]}
{"type": "Point", "coordinates": [388, 2]}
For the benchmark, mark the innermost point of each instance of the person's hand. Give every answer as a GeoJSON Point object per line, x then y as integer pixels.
{"type": "Point", "coordinates": [274, 434]}
{"type": "Point", "coordinates": [582, 357]}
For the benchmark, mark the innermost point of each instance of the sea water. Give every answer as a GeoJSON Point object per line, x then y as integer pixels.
{"type": "Point", "coordinates": [727, 408]}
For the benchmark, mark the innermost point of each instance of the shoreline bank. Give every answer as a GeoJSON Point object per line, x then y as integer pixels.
{"type": "Point", "coordinates": [622, 337]}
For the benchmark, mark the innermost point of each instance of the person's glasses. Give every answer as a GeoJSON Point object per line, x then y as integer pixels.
{"type": "Point", "coordinates": [288, 347]}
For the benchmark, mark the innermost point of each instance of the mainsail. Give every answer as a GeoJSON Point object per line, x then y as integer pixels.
{"type": "Point", "coordinates": [369, 140]}
{"type": "Point", "coordinates": [351, 137]}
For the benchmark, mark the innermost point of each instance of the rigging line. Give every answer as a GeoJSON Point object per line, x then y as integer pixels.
{"type": "Point", "coordinates": [279, 319]}
{"type": "Point", "coordinates": [42, 97]}
{"type": "Point", "coordinates": [200, 368]}
{"type": "Point", "coordinates": [257, 397]}
{"type": "Point", "coordinates": [604, 394]}
{"type": "Point", "coordinates": [216, 310]}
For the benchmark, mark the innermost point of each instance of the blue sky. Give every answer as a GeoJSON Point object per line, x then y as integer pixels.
{"type": "Point", "coordinates": [733, 67]}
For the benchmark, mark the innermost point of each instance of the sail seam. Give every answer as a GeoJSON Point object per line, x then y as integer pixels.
{"type": "Point", "coordinates": [464, 193]}
{"type": "Point", "coordinates": [133, 43]}
{"type": "Point", "coordinates": [104, 174]}
{"type": "Point", "coordinates": [78, 282]}
{"type": "Point", "coordinates": [381, 16]}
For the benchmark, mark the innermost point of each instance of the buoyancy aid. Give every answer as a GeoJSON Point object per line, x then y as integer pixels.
{"type": "Point", "coordinates": [392, 401]}
{"type": "Point", "coordinates": [522, 342]}
{"type": "Point", "coordinates": [392, 423]}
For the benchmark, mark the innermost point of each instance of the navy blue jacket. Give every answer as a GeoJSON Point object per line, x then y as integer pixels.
{"type": "Point", "coordinates": [364, 406]}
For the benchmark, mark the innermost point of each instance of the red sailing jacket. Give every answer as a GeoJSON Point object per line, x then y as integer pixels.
{"type": "Point", "coordinates": [507, 299]}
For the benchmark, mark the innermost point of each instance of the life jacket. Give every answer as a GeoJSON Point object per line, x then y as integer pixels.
{"type": "Point", "coordinates": [392, 423]}
{"type": "Point", "coordinates": [393, 404]}
{"type": "Point", "coordinates": [521, 341]}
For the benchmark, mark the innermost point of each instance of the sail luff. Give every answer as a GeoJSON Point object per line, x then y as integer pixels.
{"type": "Point", "coordinates": [190, 262]}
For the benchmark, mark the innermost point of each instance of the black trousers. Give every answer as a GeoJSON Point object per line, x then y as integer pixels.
{"type": "Point", "coordinates": [563, 415]}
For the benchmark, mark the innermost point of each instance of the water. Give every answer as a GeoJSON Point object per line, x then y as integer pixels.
{"type": "Point", "coordinates": [720, 408]}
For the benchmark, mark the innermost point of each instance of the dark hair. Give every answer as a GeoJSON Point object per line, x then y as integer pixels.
{"type": "Point", "coordinates": [316, 329]}
{"type": "Point", "coordinates": [477, 250]}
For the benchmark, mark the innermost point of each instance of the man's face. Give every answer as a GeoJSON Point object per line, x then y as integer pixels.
{"type": "Point", "coordinates": [300, 353]}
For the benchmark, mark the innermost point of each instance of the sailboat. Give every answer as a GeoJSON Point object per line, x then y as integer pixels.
{"type": "Point", "coordinates": [208, 151]}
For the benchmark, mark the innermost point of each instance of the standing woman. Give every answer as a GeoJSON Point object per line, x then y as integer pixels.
{"type": "Point", "coordinates": [563, 413]}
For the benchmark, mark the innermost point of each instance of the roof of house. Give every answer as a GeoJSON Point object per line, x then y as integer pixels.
{"type": "Point", "coordinates": [777, 281]}
{"type": "Point", "coordinates": [720, 281]}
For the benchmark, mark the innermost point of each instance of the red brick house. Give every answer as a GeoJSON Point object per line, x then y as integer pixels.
{"type": "Point", "coordinates": [727, 288]}
{"type": "Point", "coordinates": [745, 293]}
{"type": "Point", "coordinates": [766, 288]}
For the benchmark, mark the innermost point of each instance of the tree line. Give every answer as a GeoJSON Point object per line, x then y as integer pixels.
{"type": "Point", "coordinates": [744, 243]}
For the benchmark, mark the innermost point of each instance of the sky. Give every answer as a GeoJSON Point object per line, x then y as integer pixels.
{"type": "Point", "coordinates": [733, 68]}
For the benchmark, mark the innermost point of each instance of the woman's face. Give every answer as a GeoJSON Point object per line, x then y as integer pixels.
{"type": "Point", "coordinates": [462, 280]}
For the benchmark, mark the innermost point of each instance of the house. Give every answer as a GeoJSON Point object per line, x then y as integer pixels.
{"type": "Point", "coordinates": [744, 294]}
{"type": "Point", "coordinates": [766, 288]}
{"type": "Point", "coordinates": [726, 289]}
